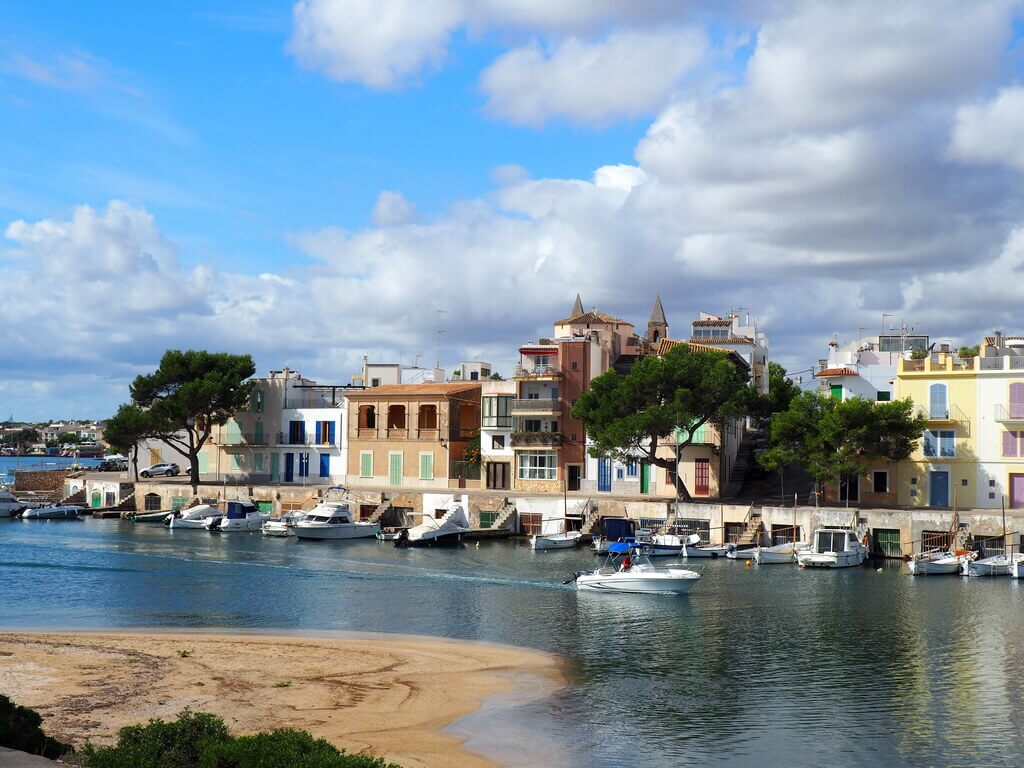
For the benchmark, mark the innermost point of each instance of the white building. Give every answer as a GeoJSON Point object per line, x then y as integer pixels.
{"type": "Point", "coordinates": [739, 336]}
{"type": "Point", "coordinates": [383, 374]}
{"type": "Point", "coordinates": [496, 404]}
{"type": "Point", "coordinates": [312, 447]}
{"type": "Point", "coordinates": [865, 367]}
{"type": "Point", "coordinates": [475, 370]}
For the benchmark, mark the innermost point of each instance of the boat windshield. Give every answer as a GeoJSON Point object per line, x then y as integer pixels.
{"type": "Point", "coordinates": [832, 541]}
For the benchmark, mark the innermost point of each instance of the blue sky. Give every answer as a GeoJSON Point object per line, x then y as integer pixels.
{"type": "Point", "coordinates": [309, 181]}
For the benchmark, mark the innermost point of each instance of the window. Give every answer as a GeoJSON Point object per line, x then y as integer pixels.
{"type": "Point", "coordinates": [426, 466]}
{"type": "Point", "coordinates": [325, 433]}
{"type": "Point", "coordinates": [620, 472]}
{"type": "Point", "coordinates": [632, 468]}
{"type": "Point", "coordinates": [531, 425]}
{"type": "Point", "coordinates": [1011, 443]}
{"type": "Point", "coordinates": [575, 365]}
{"type": "Point", "coordinates": [303, 465]}
{"type": "Point", "coordinates": [257, 462]}
{"type": "Point", "coordinates": [883, 397]}
{"type": "Point", "coordinates": [940, 443]}
{"type": "Point", "coordinates": [428, 417]}
{"type": "Point", "coordinates": [938, 407]}
{"type": "Point", "coordinates": [497, 411]}
{"type": "Point", "coordinates": [538, 465]}
{"type": "Point", "coordinates": [296, 432]}
{"type": "Point", "coordinates": [366, 463]}
{"type": "Point", "coordinates": [367, 417]}
{"type": "Point", "coordinates": [880, 481]}
{"type": "Point", "coordinates": [374, 382]}
{"type": "Point", "coordinates": [396, 417]}
{"type": "Point", "coordinates": [257, 400]}
{"type": "Point", "coordinates": [849, 488]}
{"type": "Point", "coordinates": [498, 443]}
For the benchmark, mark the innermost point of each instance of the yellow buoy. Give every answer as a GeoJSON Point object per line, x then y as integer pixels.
{"type": "Point", "coordinates": [747, 563]}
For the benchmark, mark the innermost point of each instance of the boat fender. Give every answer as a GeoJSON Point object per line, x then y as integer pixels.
{"type": "Point", "coordinates": [747, 563]}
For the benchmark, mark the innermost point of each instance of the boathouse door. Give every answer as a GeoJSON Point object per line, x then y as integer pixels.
{"type": "Point", "coordinates": [645, 477]}
{"type": "Point", "coordinates": [289, 467]}
{"type": "Point", "coordinates": [938, 489]}
{"type": "Point", "coordinates": [604, 475]}
{"type": "Point", "coordinates": [1017, 491]}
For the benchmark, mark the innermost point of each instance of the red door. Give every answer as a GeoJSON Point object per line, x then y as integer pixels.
{"type": "Point", "coordinates": [702, 470]}
{"type": "Point", "coordinates": [1017, 491]}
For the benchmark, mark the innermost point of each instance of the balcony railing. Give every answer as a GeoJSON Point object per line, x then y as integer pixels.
{"type": "Point", "coordinates": [227, 441]}
{"type": "Point", "coordinates": [537, 372]}
{"type": "Point", "coordinates": [536, 406]}
{"type": "Point", "coordinates": [941, 413]}
{"type": "Point", "coordinates": [520, 439]}
{"type": "Point", "coordinates": [283, 438]}
{"type": "Point", "coordinates": [1014, 413]}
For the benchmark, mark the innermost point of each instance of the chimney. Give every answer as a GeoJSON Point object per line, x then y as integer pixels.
{"type": "Point", "coordinates": [999, 338]}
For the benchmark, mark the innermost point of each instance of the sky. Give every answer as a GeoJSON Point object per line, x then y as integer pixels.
{"type": "Point", "coordinates": [309, 182]}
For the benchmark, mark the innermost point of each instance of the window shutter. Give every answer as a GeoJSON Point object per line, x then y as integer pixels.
{"type": "Point", "coordinates": [1009, 443]}
{"type": "Point", "coordinates": [319, 433]}
{"type": "Point", "coordinates": [366, 464]}
{"type": "Point", "coordinates": [330, 432]}
{"type": "Point", "coordinates": [426, 466]}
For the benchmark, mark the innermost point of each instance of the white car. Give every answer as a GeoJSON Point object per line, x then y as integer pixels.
{"type": "Point", "coordinates": [166, 470]}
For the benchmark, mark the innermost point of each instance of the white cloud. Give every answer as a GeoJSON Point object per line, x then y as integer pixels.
{"type": "Point", "coordinates": [378, 43]}
{"type": "Point", "coordinates": [991, 132]}
{"type": "Point", "coordinates": [392, 208]}
{"type": "Point", "coordinates": [626, 75]}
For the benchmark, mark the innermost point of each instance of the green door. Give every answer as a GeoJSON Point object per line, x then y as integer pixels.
{"type": "Point", "coordinates": [265, 507]}
{"type": "Point", "coordinates": [275, 467]}
{"type": "Point", "coordinates": [97, 500]}
{"type": "Point", "coordinates": [395, 469]}
{"type": "Point", "coordinates": [645, 477]}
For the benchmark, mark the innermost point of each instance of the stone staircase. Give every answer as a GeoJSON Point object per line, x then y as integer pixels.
{"type": "Point", "coordinates": [753, 532]}
{"type": "Point", "coordinates": [378, 513]}
{"type": "Point", "coordinates": [590, 517]}
{"type": "Point", "coordinates": [505, 513]}
{"type": "Point", "coordinates": [78, 497]}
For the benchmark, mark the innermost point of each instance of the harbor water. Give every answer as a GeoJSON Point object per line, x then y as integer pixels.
{"type": "Point", "coordinates": [10, 464]}
{"type": "Point", "coordinates": [758, 666]}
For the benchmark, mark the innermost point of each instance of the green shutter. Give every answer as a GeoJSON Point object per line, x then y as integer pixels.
{"type": "Point", "coordinates": [395, 469]}
{"type": "Point", "coordinates": [426, 466]}
{"type": "Point", "coordinates": [366, 464]}
{"type": "Point", "coordinates": [275, 467]}
{"type": "Point", "coordinates": [698, 435]}
{"type": "Point", "coordinates": [837, 391]}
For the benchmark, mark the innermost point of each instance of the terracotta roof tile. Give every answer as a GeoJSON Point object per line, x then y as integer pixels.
{"type": "Point", "coordinates": [593, 316]}
{"type": "Point", "coordinates": [451, 388]}
{"type": "Point", "coordinates": [830, 372]}
{"type": "Point", "coordinates": [717, 322]}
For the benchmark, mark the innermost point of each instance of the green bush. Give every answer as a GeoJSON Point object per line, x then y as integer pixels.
{"type": "Point", "coordinates": [19, 729]}
{"type": "Point", "coordinates": [200, 740]}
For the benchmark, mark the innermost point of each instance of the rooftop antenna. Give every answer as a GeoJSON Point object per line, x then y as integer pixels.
{"type": "Point", "coordinates": [440, 331]}
{"type": "Point", "coordinates": [416, 359]}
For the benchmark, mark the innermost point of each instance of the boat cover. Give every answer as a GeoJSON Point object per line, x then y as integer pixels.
{"type": "Point", "coordinates": [615, 528]}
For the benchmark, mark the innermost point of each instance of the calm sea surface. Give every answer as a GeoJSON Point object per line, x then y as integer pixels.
{"type": "Point", "coordinates": [759, 666]}
{"type": "Point", "coordinates": [8, 464]}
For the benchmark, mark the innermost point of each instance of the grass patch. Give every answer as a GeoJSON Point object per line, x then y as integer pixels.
{"type": "Point", "coordinates": [184, 654]}
{"type": "Point", "coordinates": [282, 683]}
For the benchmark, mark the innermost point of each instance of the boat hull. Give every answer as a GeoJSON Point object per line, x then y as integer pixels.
{"type": "Point", "coordinates": [51, 513]}
{"type": "Point", "coordinates": [443, 540]}
{"type": "Point", "coordinates": [767, 557]}
{"type": "Point", "coordinates": [557, 541]}
{"type": "Point", "coordinates": [742, 554]}
{"type": "Point", "coordinates": [829, 559]}
{"type": "Point", "coordinates": [989, 566]}
{"type": "Point", "coordinates": [277, 529]}
{"type": "Point", "coordinates": [714, 552]}
{"type": "Point", "coordinates": [152, 517]}
{"type": "Point", "coordinates": [336, 532]}
{"type": "Point", "coordinates": [240, 526]}
{"type": "Point", "coordinates": [180, 523]}
{"type": "Point", "coordinates": [671, 582]}
{"type": "Point", "coordinates": [944, 567]}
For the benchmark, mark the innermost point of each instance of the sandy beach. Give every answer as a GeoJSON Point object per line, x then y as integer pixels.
{"type": "Point", "coordinates": [389, 696]}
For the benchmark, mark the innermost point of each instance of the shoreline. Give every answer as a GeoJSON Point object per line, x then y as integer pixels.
{"type": "Point", "coordinates": [399, 697]}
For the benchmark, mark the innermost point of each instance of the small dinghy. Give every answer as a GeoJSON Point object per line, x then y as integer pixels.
{"type": "Point", "coordinates": [997, 565]}
{"type": "Point", "coordinates": [939, 563]}
{"type": "Point", "coordinates": [779, 554]}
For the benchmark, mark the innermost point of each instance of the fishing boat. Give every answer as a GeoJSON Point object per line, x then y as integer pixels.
{"type": "Point", "coordinates": [629, 570]}
{"type": "Point", "coordinates": [778, 554]}
{"type": "Point", "coordinates": [563, 539]}
{"type": "Point", "coordinates": [676, 545]}
{"type": "Point", "coordinates": [53, 512]}
{"type": "Point", "coordinates": [160, 516]}
{"type": "Point", "coordinates": [282, 526]}
{"type": "Point", "coordinates": [833, 548]}
{"type": "Point", "coordinates": [997, 565]}
{"type": "Point", "coordinates": [333, 520]}
{"type": "Point", "coordinates": [239, 516]}
{"type": "Point", "coordinates": [448, 530]}
{"type": "Point", "coordinates": [193, 517]}
{"type": "Point", "coordinates": [939, 562]}
{"type": "Point", "coordinates": [750, 553]}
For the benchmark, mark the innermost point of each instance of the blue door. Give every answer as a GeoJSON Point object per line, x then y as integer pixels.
{"type": "Point", "coordinates": [325, 465]}
{"type": "Point", "coordinates": [604, 475]}
{"type": "Point", "coordinates": [289, 467]}
{"type": "Point", "coordinates": [938, 489]}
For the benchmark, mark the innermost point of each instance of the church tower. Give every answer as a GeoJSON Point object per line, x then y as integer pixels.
{"type": "Point", "coordinates": [577, 307]}
{"type": "Point", "coordinates": [657, 326]}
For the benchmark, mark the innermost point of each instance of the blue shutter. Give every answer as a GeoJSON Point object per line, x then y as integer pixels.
{"type": "Point", "coordinates": [325, 465]}
{"type": "Point", "coordinates": [319, 433]}
{"type": "Point", "coordinates": [330, 433]}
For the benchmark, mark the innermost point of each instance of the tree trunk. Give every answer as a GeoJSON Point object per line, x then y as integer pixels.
{"type": "Point", "coordinates": [135, 461]}
{"type": "Point", "coordinates": [193, 470]}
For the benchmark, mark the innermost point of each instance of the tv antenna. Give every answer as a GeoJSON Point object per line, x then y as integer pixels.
{"type": "Point", "coordinates": [440, 332]}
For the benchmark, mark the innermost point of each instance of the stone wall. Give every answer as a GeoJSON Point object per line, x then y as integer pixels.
{"type": "Point", "coordinates": [46, 480]}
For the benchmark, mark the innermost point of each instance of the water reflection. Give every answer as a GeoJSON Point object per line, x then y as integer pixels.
{"type": "Point", "coordinates": [759, 666]}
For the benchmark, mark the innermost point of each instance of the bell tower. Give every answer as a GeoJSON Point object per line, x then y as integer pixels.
{"type": "Point", "coordinates": [657, 326]}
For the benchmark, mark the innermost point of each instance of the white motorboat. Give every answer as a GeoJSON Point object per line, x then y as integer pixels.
{"type": "Point", "coordinates": [636, 575]}
{"type": "Point", "coordinates": [1017, 567]}
{"type": "Point", "coordinates": [9, 504]}
{"type": "Point", "coordinates": [997, 565]}
{"type": "Point", "coordinates": [447, 530]}
{"type": "Point", "coordinates": [566, 540]}
{"type": "Point", "coordinates": [53, 512]}
{"type": "Point", "coordinates": [193, 517]}
{"type": "Point", "coordinates": [939, 562]}
{"type": "Point", "coordinates": [283, 525]}
{"type": "Point", "coordinates": [833, 548]}
{"type": "Point", "coordinates": [239, 516]}
{"type": "Point", "coordinates": [749, 553]}
{"type": "Point", "coordinates": [778, 554]}
{"type": "Point", "coordinates": [333, 520]}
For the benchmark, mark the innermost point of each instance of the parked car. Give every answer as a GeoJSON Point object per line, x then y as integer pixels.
{"type": "Point", "coordinates": [112, 465]}
{"type": "Point", "coordinates": [167, 470]}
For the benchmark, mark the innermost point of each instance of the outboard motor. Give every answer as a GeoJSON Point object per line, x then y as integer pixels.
{"type": "Point", "coordinates": [403, 538]}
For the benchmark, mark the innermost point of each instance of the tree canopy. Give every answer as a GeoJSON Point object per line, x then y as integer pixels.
{"type": "Point", "coordinates": [191, 392]}
{"type": "Point", "coordinates": [833, 438]}
{"type": "Point", "coordinates": [125, 429]}
{"type": "Point", "coordinates": [628, 415]}
{"type": "Point", "coordinates": [781, 391]}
